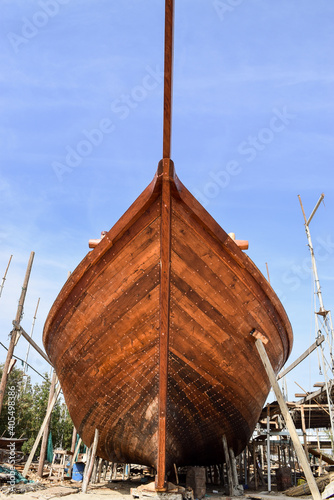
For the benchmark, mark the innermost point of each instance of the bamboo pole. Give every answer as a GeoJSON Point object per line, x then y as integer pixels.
{"type": "Point", "coordinates": [39, 435]}
{"type": "Point", "coordinates": [90, 463]}
{"type": "Point", "coordinates": [4, 276]}
{"type": "Point", "coordinates": [14, 336]}
{"type": "Point", "coordinates": [47, 427]}
{"type": "Point", "coordinates": [288, 420]}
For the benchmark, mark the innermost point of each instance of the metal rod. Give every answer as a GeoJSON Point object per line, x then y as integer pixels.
{"type": "Point", "coordinates": [168, 78]}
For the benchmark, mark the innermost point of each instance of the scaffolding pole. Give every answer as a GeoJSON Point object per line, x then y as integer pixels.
{"type": "Point", "coordinates": [327, 324]}
{"type": "Point", "coordinates": [14, 336]}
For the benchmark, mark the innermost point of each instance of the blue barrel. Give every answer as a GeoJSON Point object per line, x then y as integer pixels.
{"type": "Point", "coordinates": [77, 471]}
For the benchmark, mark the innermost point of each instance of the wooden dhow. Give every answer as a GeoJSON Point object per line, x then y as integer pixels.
{"type": "Point", "coordinates": [151, 334]}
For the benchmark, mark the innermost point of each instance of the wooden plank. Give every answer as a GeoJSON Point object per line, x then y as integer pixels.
{"type": "Point", "coordinates": [165, 257]}
{"type": "Point", "coordinates": [288, 420]}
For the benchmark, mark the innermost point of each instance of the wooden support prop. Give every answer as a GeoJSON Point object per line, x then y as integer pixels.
{"type": "Point", "coordinates": [242, 244]}
{"type": "Point", "coordinates": [90, 464]}
{"type": "Point", "coordinates": [74, 439]}
{"type": "Point", "coordinates": [14, 335]}
{"type": "Point", "coordinates": [234, 469]}
{"type": "Point", "coordinates": [165, 256]}
{"type": "Point", "coordinates": [47, 426]}
{"type": "Point", "coordinates": [176, 474]}
{"type": "Point", "coordinates": [288, 420]}
{"type": "Point", "coordinates": [256, 479]}
{"type": "Point", "coordinates": [4, 276]}
{"type": "Point", "coordinates": [268, 450]}
{"type": "Point", "coordinates": [73, 458]}
{"type": "Point", "coordinates": [105, 468]}
{"type": "Point", "coordinates": [302, 357]}
{"type": "Point", "coordinates": [168, 78]}
{"type": "Point", "coordinates": [39, 435]}
{"type": "Point", "coordinates": [322, 456]}
{"type": "Point", "coordinates": [228, 467]}
{"type": "Point", "coordinates": [88, 455]}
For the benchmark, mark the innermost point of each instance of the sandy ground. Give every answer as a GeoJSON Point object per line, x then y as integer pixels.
{"type": "Point", "coordinates": [120, 490]}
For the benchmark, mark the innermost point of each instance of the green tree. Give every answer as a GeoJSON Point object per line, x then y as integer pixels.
{"type": "Point", "coordinates": [30, 410]}
{"type": "Point", "coordinates": [19, 388]}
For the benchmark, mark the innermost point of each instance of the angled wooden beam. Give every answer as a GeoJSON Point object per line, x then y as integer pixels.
{"type": "Point", "coordinates": [288, 420]}
{"type": "Point", "coordinates": [39, 435]}
{"type": "Point", "coordinates": [18, 328]}
{"type": "Point", "coordinates": [301, 357]}
{"type": "Point", "coordinates": [165, 257]}
{"type": "Point", "coordinates": [90, 463]}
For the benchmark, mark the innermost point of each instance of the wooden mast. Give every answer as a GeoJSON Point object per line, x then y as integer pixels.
{"type": "Point", "coordinates": [168, 78]}
{"type": "Point", "coordinates": [165, 248]}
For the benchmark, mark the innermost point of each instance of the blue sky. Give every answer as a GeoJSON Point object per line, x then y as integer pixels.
{"type": "Point", "coordinates": [81, 136]}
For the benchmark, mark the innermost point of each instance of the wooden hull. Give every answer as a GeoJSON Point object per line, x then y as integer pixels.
{"type": "Point", "coordinates": [150, 335]}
